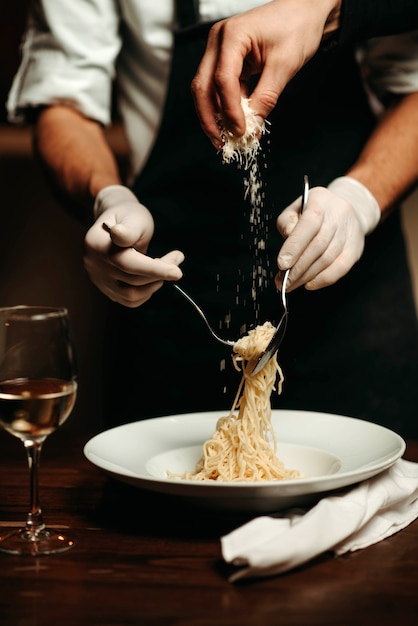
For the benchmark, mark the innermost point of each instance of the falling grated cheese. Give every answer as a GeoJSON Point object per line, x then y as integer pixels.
{"type": "Point", "coordinates": [247, 152]}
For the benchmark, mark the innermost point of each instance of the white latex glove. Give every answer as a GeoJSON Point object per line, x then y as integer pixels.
{"type": "Point", "coordinates": [115, 249]}
{"type": "Point", "coordinates": [325, 242]}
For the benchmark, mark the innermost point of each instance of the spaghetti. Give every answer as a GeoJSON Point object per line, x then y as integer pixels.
{"type": "Point", "coordinates": [243, 447]}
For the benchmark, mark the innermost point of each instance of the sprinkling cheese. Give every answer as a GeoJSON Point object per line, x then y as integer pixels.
{"type": "Point", "coordinates": [242, 149]}
{"type": "Point", "coordinates": [247, 152]}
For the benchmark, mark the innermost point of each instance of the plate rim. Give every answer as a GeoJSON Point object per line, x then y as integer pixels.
{"type": "Point", "coordinates": [244, 488]}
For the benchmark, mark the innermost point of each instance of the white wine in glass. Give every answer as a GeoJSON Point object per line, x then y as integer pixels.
{"type": "Point", "coordinates": [38, 387]}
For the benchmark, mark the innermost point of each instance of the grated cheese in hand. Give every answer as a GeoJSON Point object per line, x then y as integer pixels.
{"type": "Point", "coordinates": [242, 149]}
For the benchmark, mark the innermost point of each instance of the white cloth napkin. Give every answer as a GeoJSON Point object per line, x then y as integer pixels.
{"type": "Point", "coordinates": [366, 514]}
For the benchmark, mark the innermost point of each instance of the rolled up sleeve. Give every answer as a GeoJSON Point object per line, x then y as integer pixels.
{"type": "Point", "coordinates": [67, 61]}
{"type": "Point", "coordinates": [391, 65]}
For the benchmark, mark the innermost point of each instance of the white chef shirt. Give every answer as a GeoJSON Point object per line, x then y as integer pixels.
{"type": "Point", "coordinates": [72, 54]}
{"type": "Point", "coordinates": [73, 49]}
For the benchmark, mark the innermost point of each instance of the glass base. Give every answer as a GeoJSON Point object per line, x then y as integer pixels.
{"type": "Point", "coordinates": [44, 541]}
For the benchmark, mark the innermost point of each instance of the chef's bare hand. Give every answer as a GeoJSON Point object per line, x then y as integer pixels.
{"type": "Point", "coordinates": [115, 249]}
{"type": "Point", "coordinates": [274, 40]}
{"type": "Point", "coordinates": [324, 243]}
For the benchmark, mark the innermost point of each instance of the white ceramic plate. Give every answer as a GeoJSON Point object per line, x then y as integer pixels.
{"type": "Point", "coordinates": [331, 451]}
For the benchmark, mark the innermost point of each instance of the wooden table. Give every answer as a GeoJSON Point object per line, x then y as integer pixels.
{"type": "Point", "coordinates": [142, 559]}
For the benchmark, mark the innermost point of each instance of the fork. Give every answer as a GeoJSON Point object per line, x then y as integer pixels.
{"type": "Point", "coordinates": [279, 333]}
{"type": "Point", "coordinates": [227, 342]}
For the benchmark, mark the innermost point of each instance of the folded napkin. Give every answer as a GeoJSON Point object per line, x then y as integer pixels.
{"type": "Point", "coordinates": [366, 514]}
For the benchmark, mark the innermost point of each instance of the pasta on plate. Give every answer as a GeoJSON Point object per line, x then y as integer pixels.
{"type": "Point", "coordinates": [243, 447]}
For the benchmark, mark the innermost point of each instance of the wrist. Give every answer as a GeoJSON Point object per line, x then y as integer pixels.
{"type": "Point", "coordinates": [110, 196]}
{"type": "Point", "coordinates": [360, 198]}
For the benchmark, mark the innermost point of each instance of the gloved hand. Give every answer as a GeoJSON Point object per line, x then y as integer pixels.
{"type": "Point", "coordinates": [325, 242]}
{"type": "Point", "coordinates": [116, 245]}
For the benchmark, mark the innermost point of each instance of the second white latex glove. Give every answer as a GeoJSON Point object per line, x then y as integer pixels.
{"type": "Point", "coordinates": [324, 243]}
{"type": "Point", "coordinates": [115, 249]}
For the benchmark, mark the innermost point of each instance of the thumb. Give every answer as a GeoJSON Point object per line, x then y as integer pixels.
{"type": "Point", "coordinates": [124, 235]}
{"type": "Point", "coordinates": [127, 220]}
{"type": "Point", "coordinates": [134, 227]}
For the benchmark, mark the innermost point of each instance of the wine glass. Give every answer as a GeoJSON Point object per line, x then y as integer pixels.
{"type": "Point", "coordinates": [37, 393]}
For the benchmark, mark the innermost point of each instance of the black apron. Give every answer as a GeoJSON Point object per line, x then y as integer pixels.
{"type": "Point", "coordinates": [350, 349]}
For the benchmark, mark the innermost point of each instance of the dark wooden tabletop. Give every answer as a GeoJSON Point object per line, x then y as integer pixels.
{"type": "Point", "coordinates": [145, 559]}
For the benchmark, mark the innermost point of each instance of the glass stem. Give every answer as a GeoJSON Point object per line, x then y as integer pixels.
{"type": "Point", "coordinates": [34, 521]}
